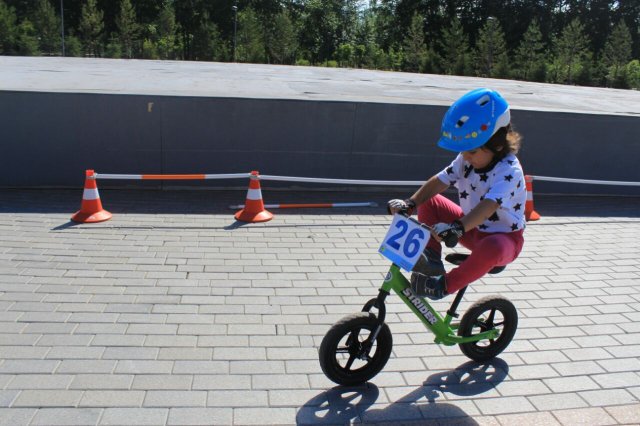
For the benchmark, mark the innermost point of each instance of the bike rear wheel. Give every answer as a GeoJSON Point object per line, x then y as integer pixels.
{"type": "Point", "coordinates": [348, 356]}
{"type": "Point", "coordinates": [488, 313]}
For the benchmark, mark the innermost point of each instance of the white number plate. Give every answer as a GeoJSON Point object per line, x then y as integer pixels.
{"type": "Point", "coordinates": [404, 242]}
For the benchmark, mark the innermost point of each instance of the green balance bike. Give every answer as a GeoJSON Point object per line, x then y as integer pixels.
{"type": "Point", "coordinates": [358, 346]}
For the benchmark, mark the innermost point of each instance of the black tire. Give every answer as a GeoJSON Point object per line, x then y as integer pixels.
{"type": "Point", "coordinates": [339, 357]}
{"type": "Point", "coordinates": [491, 312]}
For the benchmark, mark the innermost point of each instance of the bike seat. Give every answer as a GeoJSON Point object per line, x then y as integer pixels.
{"type": "Point", "coordinates": [458, 258]}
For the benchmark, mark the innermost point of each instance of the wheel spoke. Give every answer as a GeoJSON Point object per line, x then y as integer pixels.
{"type": "Point", "coordinates": [353, 337]}
{"type": "Point", "coordinates": [344, 350]}
{"type": "Point", "coordinates": [350, 362]}
{"type": "Point", "coordinates": [492, 316]}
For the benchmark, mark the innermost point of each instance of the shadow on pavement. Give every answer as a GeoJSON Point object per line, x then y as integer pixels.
{"type": "Point", "coordinates": [346, 405]}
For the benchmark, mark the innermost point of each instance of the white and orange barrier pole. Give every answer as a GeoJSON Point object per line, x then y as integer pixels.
{"type": "Point", "coordinates": [310, 206]}
{"type": "Point", "coordinates": [529, 213]}
{"type": "Point", "coordinates": [254, 210]}
{"type": "Point", "coordinates": [91, 210]}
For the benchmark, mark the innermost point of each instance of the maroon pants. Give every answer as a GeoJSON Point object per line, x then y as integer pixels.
{"type": "Point", "coordinates": [487, 249]}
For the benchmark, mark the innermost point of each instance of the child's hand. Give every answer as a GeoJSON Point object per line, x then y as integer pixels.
{"type": "Point", "coordinates": [450, 233]}
{"type": "Point", "coordinates": [396, 205]}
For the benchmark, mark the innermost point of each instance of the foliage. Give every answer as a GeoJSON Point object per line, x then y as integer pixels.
{"type": "Point", "coordinates": [617, 53]}
{"type": "Point", "coordinates": [571, 52]}
{"type": "Point", "coordinates": [595, 42]}
{"type": "Point", "coordinates": [128, 28]}
{"type": "Point", "coordinates": [455, 50]}
{"type": "Point", "coordinates": [530, 55]}
{"type": "Point", "coordinates": [47, 27]}
{"type": "Point", "coordinates": [415, 48]}
{"type": "Point", "coordinates": [7, 28]}
{"type": "Point", "coordinates": [491, 51]}
{"type": "Point", "coordinates": [91, 28]}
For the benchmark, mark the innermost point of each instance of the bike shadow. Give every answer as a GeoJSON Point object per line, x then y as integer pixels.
{"type": "Point", "coordinates": [357, 404]}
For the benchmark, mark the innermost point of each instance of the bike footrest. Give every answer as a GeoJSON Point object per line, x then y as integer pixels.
{"type": "Point", "coordinates": [458, 258]}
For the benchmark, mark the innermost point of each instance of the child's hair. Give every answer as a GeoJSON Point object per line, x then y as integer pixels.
{"type": "Point", "coordinates": [505, 141]}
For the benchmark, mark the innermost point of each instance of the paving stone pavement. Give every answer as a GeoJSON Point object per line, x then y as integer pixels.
{"type": "Point", "coordinates": [171, 313]}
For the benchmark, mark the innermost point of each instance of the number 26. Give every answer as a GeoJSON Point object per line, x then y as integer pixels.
{"type": "Point", "coordinates": [411, 243]}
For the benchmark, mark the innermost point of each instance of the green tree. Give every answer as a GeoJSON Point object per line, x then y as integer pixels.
{"type": "Point", "coordinates": [128, 28]}
{"type": "Point", "coordinates": [571, 51]}
{"type": "Point", "coordinates": [72, 45]}
{"type": "Point", "coordinates": [491, 51]}
{"type": "Point", "coordinates": [454, 45]}
{"type": "Point", "coordinates": [207, 43]}
{"type": "Point", "coordinates": [415, 48]}
{"type": "Point", "coordinates": [251, 43]}
{"type": "Point", "coordinates": [282, 39]}
{"type": "Point", "coordinates": [633, 73]}
{"type": "Point", "coordinates": [8, 28]}
{"type": "Point", "coordinates": [617, 53]}
{"type": "Point", "coordinates": [92, 28]}
{"type": "Point", "coordinates": [530, 55]}
{"type": "Point", "coordinates": [27, 39]}
{"type": "Point", "coordinates": [113, 48]}
{"type": "Point", "coordinates": [321, 20]}
{"type": "Point", "coordinates": [47, 27]}
{"type": "Point", "coordinates": [165, 29]}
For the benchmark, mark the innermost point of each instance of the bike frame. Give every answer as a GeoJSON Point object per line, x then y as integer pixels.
{"type": "Point", "coordinates": [442, 328]}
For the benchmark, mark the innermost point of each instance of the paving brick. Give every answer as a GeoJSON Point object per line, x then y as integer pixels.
{"type": "Point", "coordinates": [112, 398]}
{"type": "Point", "coordinates": [599, 398]}
{"type": "Point", "coordinates": [237, 398]}
{"type": "Point", "coordinates": [134, 416]}
{"type": "Point", "coordinates": [200, 416]}
{"type": "Point", "coordinates": [47, 398]}
{"type": "Point", "coordinates": [584, 416]}
{"type": "Point", "coordinates": [66, 416]}
{"type": "Point", "coordinates": [625, 414]}
{"type": "Point", "coordinates": [505, 405]}
{"type": "Point", "coordinates": [263, 416]}
{"type": "Point", "coordinates": [175, 398]}
{"type": "Point", "coordinates": [527, 419]}
{"type": "Point", "coordinates": [17, 416]}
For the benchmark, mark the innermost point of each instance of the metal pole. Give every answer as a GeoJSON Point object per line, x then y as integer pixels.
{"type": "Point", "coordinates": [62, 27]}
{"type": "Point", "coordinates": [490, 24]}
{"type": "Point", "coordinates": [235, 27]}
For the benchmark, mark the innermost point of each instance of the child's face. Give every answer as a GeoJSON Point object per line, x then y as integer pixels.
{"type": "Point", "coordinates": [478, 158]}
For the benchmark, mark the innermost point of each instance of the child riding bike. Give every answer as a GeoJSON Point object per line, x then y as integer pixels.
{"type": "Point", "coordinates": [490, 219]}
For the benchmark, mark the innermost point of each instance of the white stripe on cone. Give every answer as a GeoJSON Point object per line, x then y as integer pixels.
{"type": "Point", "coordinates": [254, 194]}
{"type": "Point", "coordinates": [90, 194]}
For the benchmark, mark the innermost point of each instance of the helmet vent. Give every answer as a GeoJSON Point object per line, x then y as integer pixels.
{"type": "Point", "coordinates": [461, 121]}
{"type": "Point", "coordinates": [483, 100]}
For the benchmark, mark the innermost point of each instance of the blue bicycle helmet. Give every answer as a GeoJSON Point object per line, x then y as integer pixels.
{"type": "Point", "coordinates": [471, 121]}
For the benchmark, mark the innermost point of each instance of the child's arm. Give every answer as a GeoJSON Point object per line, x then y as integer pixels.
{"type": "Point", "coordinates": [430, 188]}
{"type": "Point", "coordinates": [479, 214]}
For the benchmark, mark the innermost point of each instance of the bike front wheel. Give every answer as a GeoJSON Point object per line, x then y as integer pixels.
{"type": "Point", "coordinates": [348, 353]}
{"type": "Point", "coordinates": [488, 313]}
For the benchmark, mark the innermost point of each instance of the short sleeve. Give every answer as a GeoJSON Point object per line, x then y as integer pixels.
{"type": "Point", "coordinates": [505, 183]}
{"type": "Point", "coordinates": [451, 174]}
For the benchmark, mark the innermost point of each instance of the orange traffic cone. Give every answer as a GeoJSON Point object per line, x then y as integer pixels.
{"type": "Point", "coordinates": [91, 208]}
{"type": "Point", "coordinates": [254, 210]}
{"type": "Point", "coordinates": [529, 212]}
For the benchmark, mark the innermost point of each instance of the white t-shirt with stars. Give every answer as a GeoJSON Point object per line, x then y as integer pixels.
{"type": "Point", "coordinates": [502, 183]}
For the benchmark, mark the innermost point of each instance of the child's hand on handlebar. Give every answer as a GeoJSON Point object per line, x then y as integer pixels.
{"type": "Point", "coordinates": [450, 233]}
{"type": "Point", "coordinates": [396, 205]}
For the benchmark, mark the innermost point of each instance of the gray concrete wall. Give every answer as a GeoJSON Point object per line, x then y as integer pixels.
{"type": "Point", "coordinates": [49, 139]}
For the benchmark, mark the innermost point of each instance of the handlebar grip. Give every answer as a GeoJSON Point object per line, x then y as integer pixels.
{"type": "Point", "coordinates": [451, 240]}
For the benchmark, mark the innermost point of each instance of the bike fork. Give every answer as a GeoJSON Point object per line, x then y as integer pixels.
{"type": "Point", "coordinates": [378, 303]}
